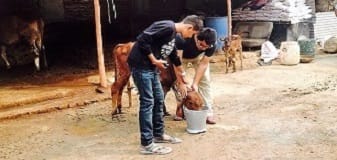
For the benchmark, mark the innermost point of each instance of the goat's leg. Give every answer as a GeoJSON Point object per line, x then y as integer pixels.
{"type": "Point", "coordinates": [4, 56]}
{"type": "Point", "coordinates": [165, 89]}
{"type": "Point", "coordinates": [227, 64]}
{"type": "Point", "coordinates": [42, 55]}
{"type": "Point", "coordinates": [120, 94]}
{"type": "Point", "coordinates": [119, 101]}
{"type": "Point", "coordinates": [179, 110]}
{"type": "Point", "coordinates": [37, 56]}
{"type": "Point", "coordinates": [129, 88]}
{"type": "Point", "coordinates": [234, 64]}
{"type": "Point", "coordinates": [125, 80]}
{"type": "Point", "coordinates": [42, 51]}
{"type": "Point", "coordinates": [114, 97]}
{"type": "Point", "coordinates": [179, 99]}
{"type": "Point", "coordinates": [117, 92]}
{"type": "Point", "coordinates": [241, 57]}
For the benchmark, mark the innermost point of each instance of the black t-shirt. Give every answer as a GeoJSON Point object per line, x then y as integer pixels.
{"type": "Point", "coordinates": [190, 49]}
{"type": "Point", "coordinates": [159, 39]}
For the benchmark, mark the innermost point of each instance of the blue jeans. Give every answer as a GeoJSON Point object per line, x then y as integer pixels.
{"type": "Point", "coordinates": [151, 98]}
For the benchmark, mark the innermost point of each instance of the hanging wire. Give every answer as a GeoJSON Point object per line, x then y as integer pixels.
{"type": "Point", "coordinates": [109, 17]}
{"type": "Point", "coordinates": [113, 9]}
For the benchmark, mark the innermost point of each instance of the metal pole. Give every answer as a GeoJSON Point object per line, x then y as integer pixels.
{"type": "Point", "coordinates": [229, 15]}
{"type": "Point", "coordinates": [100, 55]}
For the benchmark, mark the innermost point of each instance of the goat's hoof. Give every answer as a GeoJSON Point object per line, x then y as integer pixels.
{"type": "Point", "coordinates": [113, 113]}
{"type": "Point", "coordinates": [100, 90]}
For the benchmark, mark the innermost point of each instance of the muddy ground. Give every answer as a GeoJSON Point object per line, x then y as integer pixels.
{"type": "Point", "coordinates": [269, 112]}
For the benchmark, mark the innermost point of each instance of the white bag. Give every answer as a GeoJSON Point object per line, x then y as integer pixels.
{"type": "Point", "coordinates": [268, 51]}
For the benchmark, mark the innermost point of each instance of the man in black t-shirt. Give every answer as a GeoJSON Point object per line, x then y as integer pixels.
{"type": "Point", "coordinates": [197, 51]}
{"type": "Point", "coordinates": [149, 53]}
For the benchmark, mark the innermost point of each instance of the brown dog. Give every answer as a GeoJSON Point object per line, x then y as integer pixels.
{"type": "Point", "coordinates": [193, 101]}
{"type": "Point", "coordinates": [233, 51]}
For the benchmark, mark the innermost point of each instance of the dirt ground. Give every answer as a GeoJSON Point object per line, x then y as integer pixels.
{"type": "Point", "coordinates": [268, 112]}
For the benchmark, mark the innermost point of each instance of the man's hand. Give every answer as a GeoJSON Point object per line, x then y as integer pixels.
{"type": "Point", "coordinates": [195, 87]}
{"type": "Point", "coordinates": [161, 64]}
{"type": "Point", "coordinates": [182, 89]}
{"type": "Point", "coordinates": [183, 77]}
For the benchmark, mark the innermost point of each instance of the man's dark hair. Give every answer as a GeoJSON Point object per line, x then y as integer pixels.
{"type": "Point", "coordinates": [195, 21]}
{"type": "Point", "coordinates": [208, 35]}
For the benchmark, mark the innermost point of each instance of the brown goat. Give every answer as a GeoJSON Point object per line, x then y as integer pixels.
{"type": "Point", "coordinates": [18, 30]}
{"type": "Point", "coordinates": [233, 50]}
{"type": "Point", "coordinates": [122, 76]}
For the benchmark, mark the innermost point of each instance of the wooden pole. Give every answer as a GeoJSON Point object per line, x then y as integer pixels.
{"type": "Point", "coordinates": [100, 55]}
{"type": "Point", "coordinates": [229, 18]}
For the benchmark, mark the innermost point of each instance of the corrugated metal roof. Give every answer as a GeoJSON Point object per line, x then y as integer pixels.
{"type": "Point", "coordinates": [326, 25]}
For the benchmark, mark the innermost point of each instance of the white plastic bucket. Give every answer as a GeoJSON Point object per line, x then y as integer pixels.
{"type": "Point", "coordinates": [290, 53]}
{"type": "Point", "coordinates": [196, 120]}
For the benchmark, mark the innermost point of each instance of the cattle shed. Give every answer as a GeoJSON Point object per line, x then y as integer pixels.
{"type": "Point", "coordinates": [70, 31]}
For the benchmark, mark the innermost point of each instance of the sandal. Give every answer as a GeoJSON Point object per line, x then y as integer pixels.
{"type": "Point", "coordinates": [167, 139]}
{"type": "Point", "coordinates": [155, 149]}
